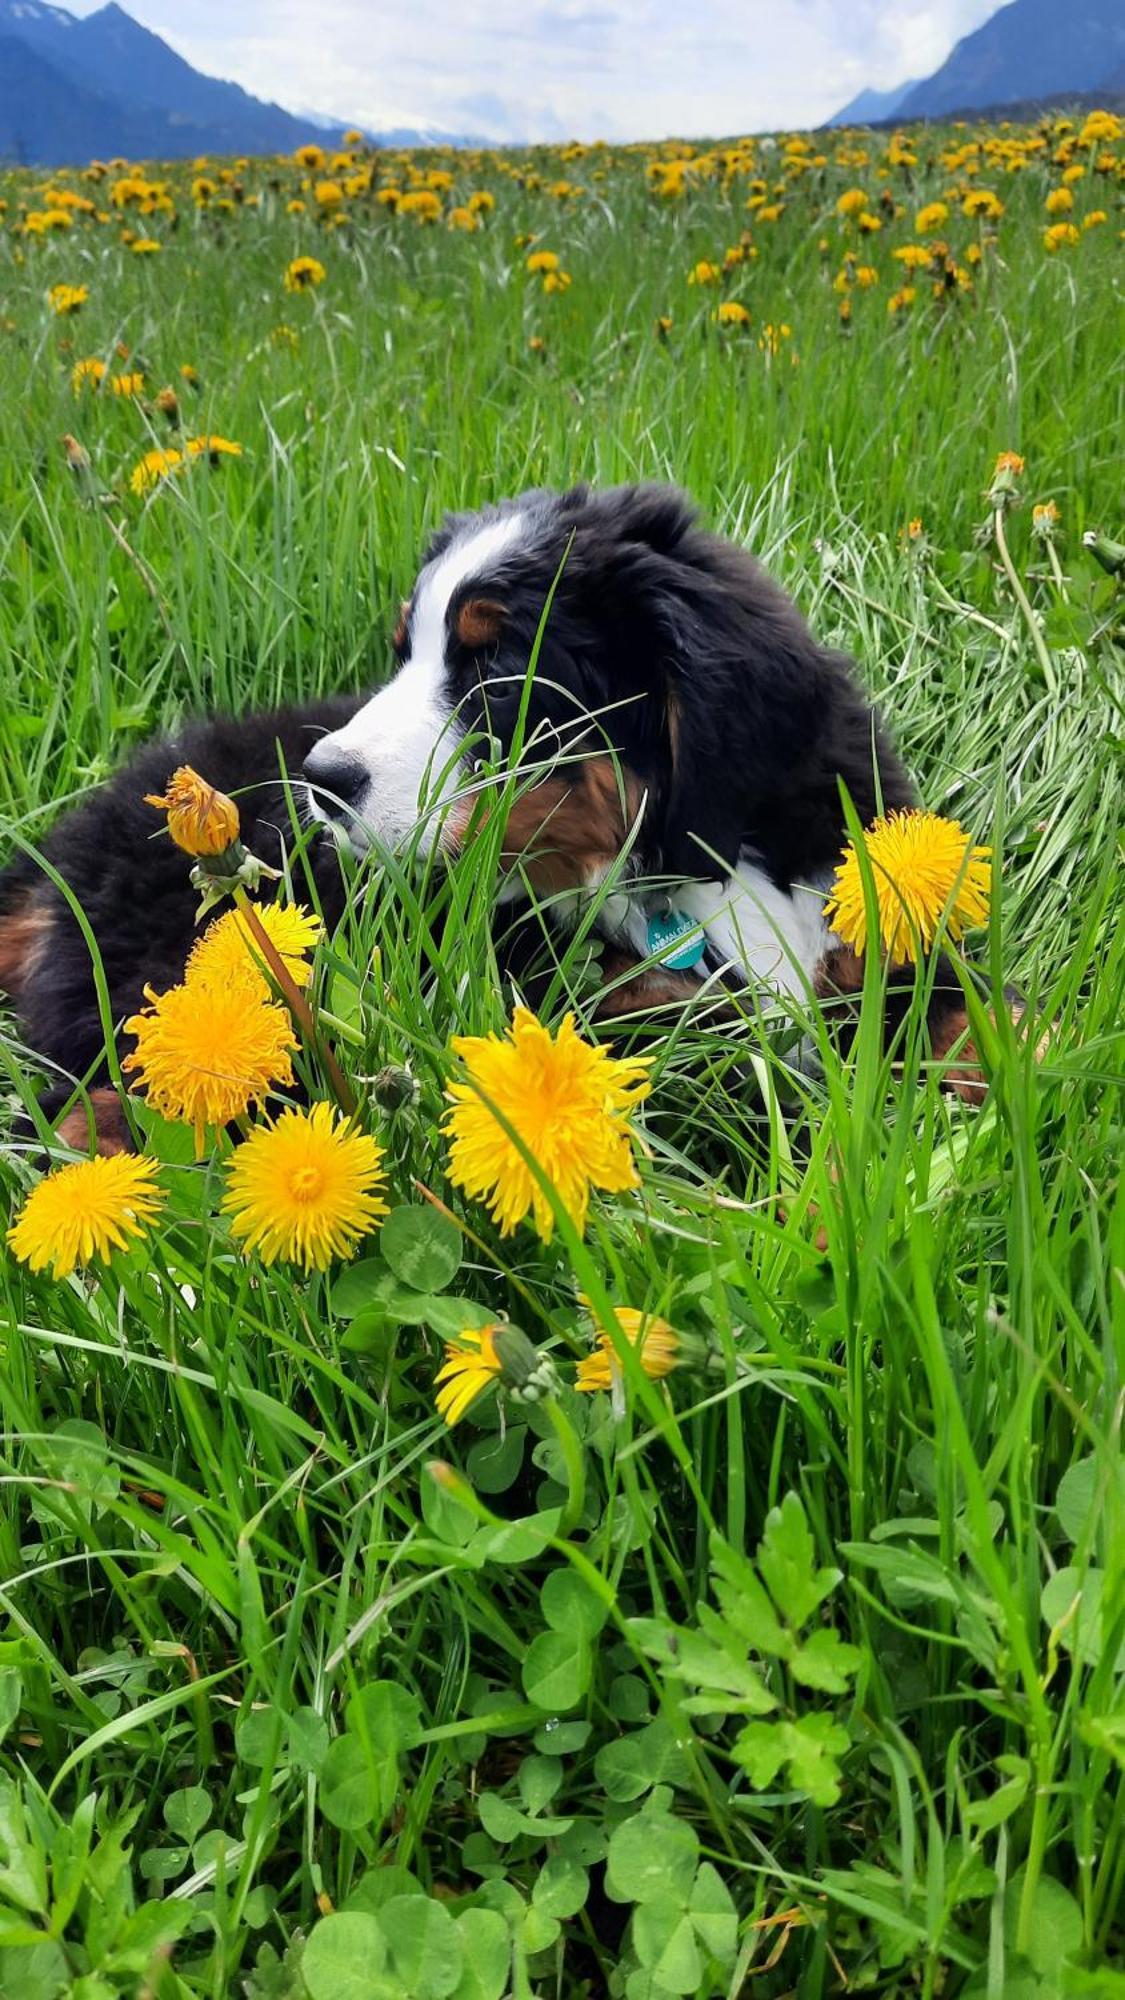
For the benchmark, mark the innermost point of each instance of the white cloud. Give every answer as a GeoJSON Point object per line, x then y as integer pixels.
{"type": "Point", "coordinates": [549, 68]}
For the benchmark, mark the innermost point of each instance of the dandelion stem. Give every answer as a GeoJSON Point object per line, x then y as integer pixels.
{"type": "Point", "coordinates": [575, 1462]}
{"type": "Point", "coordinates": [1021, 597]}
{"type": "Point", "coordinates": [297, 1003]}
{"type": "Point", "coordinates": [1056, 570]}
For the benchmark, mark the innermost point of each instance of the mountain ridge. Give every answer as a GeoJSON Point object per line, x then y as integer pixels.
{"type": "Point", "coordinates": [1027, 52]}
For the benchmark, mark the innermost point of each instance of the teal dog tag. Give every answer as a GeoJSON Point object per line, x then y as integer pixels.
{"type": "Point", "coordinates": [664, 931]}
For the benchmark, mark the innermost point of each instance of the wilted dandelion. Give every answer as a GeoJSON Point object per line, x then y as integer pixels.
{"type": "Point", "coordinates": [202, 821]}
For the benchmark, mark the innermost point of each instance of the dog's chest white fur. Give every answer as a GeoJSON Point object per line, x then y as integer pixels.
{"type": "Point", "coordinates": [772, 937]}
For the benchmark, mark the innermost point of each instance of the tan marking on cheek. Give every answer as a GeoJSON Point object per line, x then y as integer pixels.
{"type": "Point", "coordinates": [479, 621]}
{"type": "Point", "coordinates": [111, 1133]}
{"type": "Point", "coordinates": [567, 831]}
{"type": "Point", "coordinates": [398, 637]}
{"type": "Point", "coordinates": [24, 936]}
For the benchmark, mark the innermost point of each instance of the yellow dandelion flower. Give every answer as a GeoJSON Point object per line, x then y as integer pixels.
{"type": "Point", "coordinates": [305, 1190]}
{"type": "Point", "coordinates": [557, 281]}
{"type": "Point", "coordinates": [189, 373]}
{"type": "Point", "coordinates": [923, 868]}
{"type": "Point", "coordinates": [1060, 201]}
{"type": "Point", "coordinates": [201, 820]}
{"type": "Point", "coordinates": [982, 202]}
{"type": "Point", "coordinates": [84, 1211]}
{"type": "Point", "coordinates": [304, 273]}
{"type": "Point", "coordinates": [1008, 461]}
{"type": "Point", "coordinates": [88, 374]}
{"type": "Point", "coordinates": [152, 468]}
{"type": "Point", "coordinates": [1061, 236]}
{"type": "Point", "coordinates": [205, 1053]}
{"type": "Point", "coordinates": [732, 313]}
{"type": "Point", "coordinates": [213, 448]}
{"type": "Point", "coordinates": [568, 1103]}
{"type": "Point", "coordinates": [228, 952]}
{"type": "Point", "coordinates": [704, 273]}
{"type": "Point", "coordinates": [128, 385]}
{"type": "Point", "coordinates": [311, 157]}
{"type": "Point", "coordinates": [65, 299]}
{"type": "Point", "coordinates": [931, 217]}
{"type": "Point", "coordinates": [463, 218]}
{"type": "Point", "coordinates": [900, 300]}
{"type": "Point", "coordinates": [145, 246]}
{"type": "Point", "coordinates": [471, 1364]}
{"type": "Point", "coordinates": [657, 1347]}
{"type": "Point", "coordinates": [328, 194]}
{"type": "Point", "coordinates": [852, 202]}
{"type": "Point", "coordinates": [422, 203]}
{"type": "Point", "coordinates": [542, 261]}
{"type": "Point", "coordinates": [1095, 218]}
{"type": "Point", "coordinates": [482, 202]}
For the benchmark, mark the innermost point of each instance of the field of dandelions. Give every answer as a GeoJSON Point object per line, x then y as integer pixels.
{"type": "Point", "coordinates": [685, 1556]}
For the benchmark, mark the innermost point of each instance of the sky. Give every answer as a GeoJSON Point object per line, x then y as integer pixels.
{"type": "Point", "coordinates": [557, 69]}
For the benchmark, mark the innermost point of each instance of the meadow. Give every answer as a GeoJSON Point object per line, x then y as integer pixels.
{"type": "Point", "coordinates": [797, 1666]}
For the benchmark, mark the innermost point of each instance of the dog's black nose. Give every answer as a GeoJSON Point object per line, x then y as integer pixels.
{"type": "Point", "coordinates": [336, 776]}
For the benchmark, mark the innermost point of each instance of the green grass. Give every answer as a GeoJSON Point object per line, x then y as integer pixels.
{"type": "Point", "coordinates": [256, 1664]}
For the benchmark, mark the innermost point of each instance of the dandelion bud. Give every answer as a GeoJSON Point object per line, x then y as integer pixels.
{"type": "Point", "coordinates": [527, 1375]}
{"type": "Point", "coordinates": [1111, 555]}
{"type": "Point", "coordinates": [202, 821]}
{"type": "Point", "coordinates": [1045, 518]}
{"type": "Point", "coordinates": [78, 459]}
{"type": "Point", "coordinates": [394, 1088]}
{"type": "Point", "coordinates": [168, 403]}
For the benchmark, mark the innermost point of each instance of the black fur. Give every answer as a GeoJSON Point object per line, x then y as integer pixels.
{"type": "Point", "coordinates": [133, 883]}
{"type": "Point", "coordinates": [710, 685]}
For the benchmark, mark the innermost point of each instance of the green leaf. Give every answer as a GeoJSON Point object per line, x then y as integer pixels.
{"type": "Point", "coordinates": [787, 1560]}
{"type": "Point", "coordinates": [664, 1940]}
{"type": "Point", "coordinates": [386, 1715]}
{"type": "Point", "coordinates": [810, 1747]}
{"type": "Point", "coordinates": [1071, 1605]}
{"type": "Point", "coordinates": [494, 1462]}
{"type": "Point", "coordinates": [1084, 1488]}
{"type": "Point", "coordinates": [488, 1955]}
{"type": "Point", "coordinates": [629, 1766]}
{"type": "Point", "coordinates": [1056, 1931]}
{"type": "Point", "coordinates": [652, 1859]}
{"type": "Point", "coordinates": [714, 1914]}
{"type": "Point", "coordinates": [34, 1971]}
{"type": "Point", "coordinates": [306, 1741]}
{"type": "Point", "coordinates": [11, 1697]}
{"type": "Point", "coordinates": [354, 1288]}
{"type": "Point", "coordinates": [826, 1662]}
{"type": "Point", "coordinates": [427, 1951]}
{"type": "Point", "coordinates": [357, 1786]}
{"type": "Point", "coordinates": [503, 1821]}
{"type": "Point", "coordinates": [539, 1779]}
{"type": "Point", "coordinates": [984, 1814]}
{"type": "Point", "coordinates": [561, 1887]}
{"type": "Point", "coordinates": [745, 1605]}
{"type": "Point", "coordinates": [556, 1670]}
{"type": "Point", "coordinates": [569, 1604]}
{"type": "Point", "coordinates": [422, 1247]}
{"type": "Point", "coordinates": [187, 1812]}
{"type": "Point", "coordinates": [344, 1959]}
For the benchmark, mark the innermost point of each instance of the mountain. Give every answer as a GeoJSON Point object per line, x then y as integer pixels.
{"type": "Point", "coordinates": [871, 105]}
{"type": "Point", "coordinates": [73, 90]}
{"type": "Point", "coordinates": [1030, 52]}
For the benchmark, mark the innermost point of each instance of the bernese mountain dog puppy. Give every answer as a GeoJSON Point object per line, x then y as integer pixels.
{"type": "Point", "coordinates": [679, 743]}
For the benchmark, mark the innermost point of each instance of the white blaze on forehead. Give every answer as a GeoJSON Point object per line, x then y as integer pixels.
{"type": "Point", "coordinates": [406, 736]}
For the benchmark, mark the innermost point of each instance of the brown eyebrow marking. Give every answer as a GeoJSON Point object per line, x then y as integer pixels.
{"type": "Point", "coordinates": [479, 620]}
{"type": "Point", "coordinates": [398, 636]}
